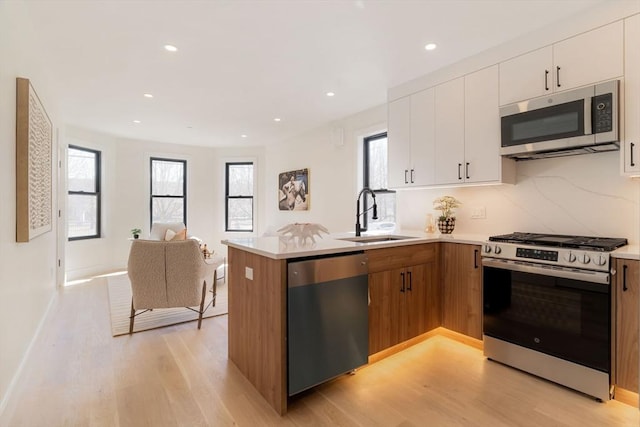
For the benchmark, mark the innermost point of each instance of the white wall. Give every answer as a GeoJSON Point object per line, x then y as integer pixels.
{"type": "Point", "coordinates": [125, 196]}
{"type": "Point", "coordinates": [27, 270]}
{"type": "Point", "coordinates": [334, 175]}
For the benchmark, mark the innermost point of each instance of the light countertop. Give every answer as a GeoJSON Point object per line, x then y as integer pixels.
{"type": "Point", "coordinates": [627, 252]}
{"type": "Point", "coordinates": [286, 247]}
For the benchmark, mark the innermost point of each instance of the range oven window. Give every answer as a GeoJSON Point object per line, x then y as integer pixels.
{"type": "Point", "coordinates": [566, 318]}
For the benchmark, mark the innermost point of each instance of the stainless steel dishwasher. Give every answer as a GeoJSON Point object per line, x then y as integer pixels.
{"type": "Point", "coordinates": [328, 319]}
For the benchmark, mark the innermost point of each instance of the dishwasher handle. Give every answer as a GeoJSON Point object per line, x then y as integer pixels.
{"type": "Point", "coordinates": [321, 270]}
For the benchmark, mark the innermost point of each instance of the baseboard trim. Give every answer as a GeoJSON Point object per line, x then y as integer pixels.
{"type": "Point", "coordinates": [627, 397]}
{"type": "Point", "coordinates": [464, 339]}
{"type": "Point", "coordinates": [472, 342]}
{"type": "Point", "coordinates": [14, 381]}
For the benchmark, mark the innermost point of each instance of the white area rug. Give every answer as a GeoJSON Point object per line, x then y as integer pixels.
{"type": "Point", "coordinates": [120, 305]}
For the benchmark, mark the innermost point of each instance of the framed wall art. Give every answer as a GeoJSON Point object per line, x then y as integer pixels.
{"type": "Point", "coordinates": [293, 190]}
{"type": "Point", "coordinates": [34, 141]}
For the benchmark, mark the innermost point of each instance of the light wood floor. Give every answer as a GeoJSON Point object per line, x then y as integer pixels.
{"type": "Point", "coordinates": [79, 375]}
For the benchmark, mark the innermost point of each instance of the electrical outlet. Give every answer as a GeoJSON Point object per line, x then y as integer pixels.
{"type": "Point", "coordinates": [248, 273]}
{"type": "Point", "coordinates": [479, 213]}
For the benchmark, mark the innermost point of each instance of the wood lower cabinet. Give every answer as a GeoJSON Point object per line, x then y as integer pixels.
{"type": "Point", "coordinates": [627, 292]}
{"type": "Point", "coordinates": [405, 298]}
{"type": "Point", "coordinates": [462, 288]}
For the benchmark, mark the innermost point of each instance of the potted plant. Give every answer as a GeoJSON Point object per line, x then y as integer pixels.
{"type": "Point", "coordinates": [136, 232]}
{"type": "Point", "coordinates": [447, 220]}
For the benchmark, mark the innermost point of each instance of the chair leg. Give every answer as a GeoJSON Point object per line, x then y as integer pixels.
{"type": "Point", "coordinates": [204, 295]}
{"type": "Point", "coordinates": [133, 315]}
{"type": "Point", "coordinates": [215, 288]}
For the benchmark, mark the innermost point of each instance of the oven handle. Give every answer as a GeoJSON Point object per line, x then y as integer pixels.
{"type": "Point", "coordinates": [586, 276]}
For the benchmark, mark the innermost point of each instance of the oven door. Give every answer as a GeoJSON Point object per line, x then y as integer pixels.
{"type": "Point", "coordinates": [560, 312]}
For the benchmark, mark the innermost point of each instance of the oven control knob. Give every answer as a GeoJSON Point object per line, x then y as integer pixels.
{"type": "Point", "coordinates": [600, 260]}
{"type": "Point", "coordinates": [570, 257]}
{"type": "Point", "coordinates": [584, 258]}
{"type": "Point", "coordinates": [487, 249]}
{"type": "Point", "coordinates": [497, 249]}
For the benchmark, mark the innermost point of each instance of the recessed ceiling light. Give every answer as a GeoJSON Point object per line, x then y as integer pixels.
{"type": "Point", "coordinates": [170, 48]}
{"type": "Point", "coordinates": [430, 46]}
{"type": "Point", "coordinates": [137, 121]}
{"type": "Point", "coordinates": [330, 94]}
{"type": "Point", "coordinates": [277, 119]}
{"type": "Point", "coordinates": [243, 136]}
{"type": "Point", "coordinates": [148, 95]}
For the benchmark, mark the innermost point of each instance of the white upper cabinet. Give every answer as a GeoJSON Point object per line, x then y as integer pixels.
{"type": "Point", "coordinates": [449, 123]}
{"type": "Point", "coordinates": [411, 138]}
{"type": "Point", "coordinates": [468, 131]}
{"type": "Point", "coordinates": [483, 162]}
{"type": "Point", "coordinates": [526, 76]}
{"type": "Point", "coordinates": [399, 142]}
{"type": "Point", "coordinates": [422, 138]}
{"type": "Point", "coordinates": [630, 144]}
{"type": "Point", "coordinates": [585, 59]}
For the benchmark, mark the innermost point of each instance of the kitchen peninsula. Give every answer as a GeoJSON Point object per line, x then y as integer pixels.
{"type": "Point", "coordinates": [443, 273]}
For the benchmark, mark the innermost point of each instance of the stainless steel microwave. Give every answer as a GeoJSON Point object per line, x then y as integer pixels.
{"type": "Point", "coordinates": [573, 122]}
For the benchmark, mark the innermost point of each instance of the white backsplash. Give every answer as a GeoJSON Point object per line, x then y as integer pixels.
{"type": "Point", "coordinates": [582, 195]}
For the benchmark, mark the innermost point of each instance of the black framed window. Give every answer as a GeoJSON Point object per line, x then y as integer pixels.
{"type": "Point", "coordinates": [375, 177]}
{"type": "Point", "coordinates": [83, 200]}
{"type": "Point", "coordinates": [239, 196]}
{"type": "Point", "coordinates": [168, 190]}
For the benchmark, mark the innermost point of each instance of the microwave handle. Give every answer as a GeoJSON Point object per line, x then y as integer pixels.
{"type": "Point", "coordinates": [588, 108]}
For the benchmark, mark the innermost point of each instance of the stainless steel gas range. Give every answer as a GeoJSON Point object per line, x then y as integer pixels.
{"type": "Point", "coordinates": [547, 307]}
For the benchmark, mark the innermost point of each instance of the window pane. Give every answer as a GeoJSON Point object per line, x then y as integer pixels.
{"type": "Point", "coordinates": [82, 215]}
{"type": "Point", "coordinates": [378, 163]}
{"type": "Point", "coordinates": [240, 214]}
{"type": "Point", "coordinates": [167, 210]}
{"type": "Point", "coordinates": [386, 211]}
{"type": "Point", "coordinates": [167, 178]}
{"type": "Point", "coordinates": [81, 170]}
{"type": "Point", "coordinates": [241, 180]}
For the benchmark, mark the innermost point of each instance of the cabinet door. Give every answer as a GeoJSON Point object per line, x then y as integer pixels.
{"type": "Point", "coordinates": [627, 324]}
{"type": "Point", "coordinates": [462, 289]}
{"type": "Point", "coordinates": [385, 309]}
{"type": "Point", "coordinates": [482, 126]}
{"type": "Point", "coordinates": [399, 140]}
{"type": "Point", "coordinates": [589, 58]}
{"type": "Point", "coordinates": [423, 138]}
{"type": "Point", "coordinates": [631, 142]}
{"type": "Point", "coordinates": [415, 302]}
{"type": "Point", "coordinates": [526, 76]}
{"type": "Point", "coordinates": [449, 159]}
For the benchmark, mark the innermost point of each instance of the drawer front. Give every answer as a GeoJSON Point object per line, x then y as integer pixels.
{"type": "Point", "coordinates": [401, 256]}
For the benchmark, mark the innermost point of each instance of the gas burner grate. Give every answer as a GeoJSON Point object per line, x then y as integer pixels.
{"type": "Point", "coordinates": [602, 244]}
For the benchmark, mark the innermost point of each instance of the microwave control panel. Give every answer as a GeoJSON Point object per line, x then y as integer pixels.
{"type": "Point", "coordinates": [602, 109]}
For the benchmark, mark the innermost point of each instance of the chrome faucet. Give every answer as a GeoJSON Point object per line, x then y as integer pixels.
{"type": "Point", "coordinates": [374, 207]}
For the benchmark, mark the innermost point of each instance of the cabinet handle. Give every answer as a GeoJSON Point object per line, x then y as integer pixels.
{"type": "Point", "coordinates": [546, 79]}
{"type": "Point", "coordinates": [475, 258]}
{"type": "Point", "coordinates": [405, 176]}
{"type": "Point", "coordinates": [631, 150]}
{"type": "Point", "coordinates": [409, 278]}
{"type": "Point", "coordinates": [402, 288]}
{"type": "Point", "coordinates": [467, 170]}
{"type": "Point", "coordinates": [459, 167]}
{"type": "Point", "coordinates": [624, 278]}
{"type": "Point", "coordinates": [412, 171]}
{"type": "Point", "coordinates": [558, 76]}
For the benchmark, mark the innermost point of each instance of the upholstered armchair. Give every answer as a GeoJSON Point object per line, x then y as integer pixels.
{"type": "Point", "coordinates": [167, 274]}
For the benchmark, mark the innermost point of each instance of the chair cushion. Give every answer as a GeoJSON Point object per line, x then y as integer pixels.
{"type": "Point", "coordinates": [180, 235]}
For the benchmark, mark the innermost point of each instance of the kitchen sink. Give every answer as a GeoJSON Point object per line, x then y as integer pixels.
{"type": "Point", "coordinates": [374, 239]}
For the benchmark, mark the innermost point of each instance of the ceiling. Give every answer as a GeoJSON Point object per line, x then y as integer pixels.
{"type": "Point", "coordinates": [241, 64]}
